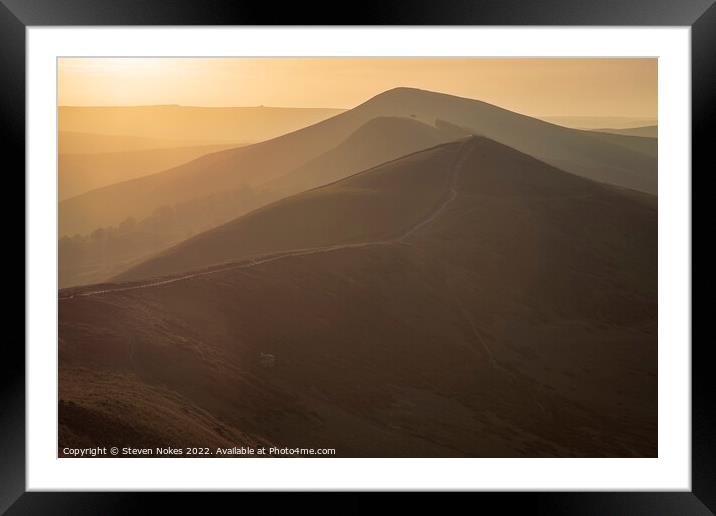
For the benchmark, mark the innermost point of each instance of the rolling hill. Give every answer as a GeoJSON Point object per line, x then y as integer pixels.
{"type": "Point", "coordinates": [190, 123]}
{"type": "Point", "coordinates": [597, 122]}
{"type": "Point", "coordinates": [581, 152]}
{"type": "Point", "coordinates": [81, 172]}
{"type": "Point", "coordinates": [377, 141]}
{"type": "Point", "coordinates": [649, 131]}
{"type": "Point", "coordinates": [639, 144]}
{"type": "Point", "coordinates": [69, 142]}
{"type": "Point", "coordinates": [109, 251]}
{"type": "Point", "coordinates": [465, 300]}
{"type": "Point", "coordinates": [371, 205]}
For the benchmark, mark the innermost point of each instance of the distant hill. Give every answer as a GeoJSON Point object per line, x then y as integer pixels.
{"type": "Point", "coordinates": [467, 300]}
{"type": "Point", "coordinates": [581, 152]}
{"type": "Point", "coordinates": [110, 250]}
{"type": "Point", "coordinates": [190, 123]}
{"type": "Point", "coordinates": [596, 122]}
{"type": "Point", "coordinates": [377, 141]}
{"type": "Point", "coordinates": [648, 147]}
{"type": "Point", "coordinates": [372, 205]}
{"type": "Point", "coordinates": [80, 173]}
{"type": "Point", "coordinates": [649, 131]}
{"type": "Point", "coordinates": [69, 142]}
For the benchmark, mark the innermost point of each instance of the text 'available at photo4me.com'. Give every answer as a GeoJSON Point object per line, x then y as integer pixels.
{"type": "Point", "coordinates": [168, 452]}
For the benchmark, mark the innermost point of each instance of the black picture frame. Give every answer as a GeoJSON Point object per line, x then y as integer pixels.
{"type": "Point", "coordinates": [17, 15]}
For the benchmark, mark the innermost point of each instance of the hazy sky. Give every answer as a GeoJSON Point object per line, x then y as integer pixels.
{"type": "Point", "coordinates": [538, 87]}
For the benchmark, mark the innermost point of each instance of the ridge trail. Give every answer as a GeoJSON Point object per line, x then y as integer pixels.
{"type": "Point", "coordinates": [431, 217]}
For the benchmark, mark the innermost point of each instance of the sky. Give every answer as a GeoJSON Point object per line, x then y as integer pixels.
{"type": "Point", "coordinates": [622, 87]}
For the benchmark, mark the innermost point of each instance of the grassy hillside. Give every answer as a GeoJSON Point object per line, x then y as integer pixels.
{"type": "Point", "coordinates": [496, 307]}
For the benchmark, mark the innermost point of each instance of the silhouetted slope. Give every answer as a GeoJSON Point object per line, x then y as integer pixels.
{"type": "Point", "coordinates": [80, 173]}
{"type": "Point", "coordinates": [597, 122]}
{"type": "Point", "coordinates": [377, 141]}
{"type": "Point", "coordinates": [581, 152]}
{"type": "Point", "coordinates": [70, 142]}
{"type": "Point", "coordinates": [648, 131]}
{"type": "Point", "coordinates": [93, 259]}
{"type": "Point", "coordinates": [372, 205]}
{"type": "Point", "coordinates": [264, 165]}
{"type": "Point", "coordinates": [640, 144]}
{"type": "Point", "coordinates": [506, 308]}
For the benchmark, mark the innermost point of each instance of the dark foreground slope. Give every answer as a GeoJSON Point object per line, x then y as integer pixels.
{"type": "Point", "coordinates": [509, 312]}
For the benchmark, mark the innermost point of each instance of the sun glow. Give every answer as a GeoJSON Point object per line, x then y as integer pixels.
{"type": "Point", "coordinates": [538, 87]}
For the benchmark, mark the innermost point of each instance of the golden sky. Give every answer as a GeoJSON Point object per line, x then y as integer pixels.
{"type": "Point", "coordinates": [537, 87]}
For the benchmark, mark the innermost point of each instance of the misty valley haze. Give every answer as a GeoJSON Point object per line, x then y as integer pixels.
{"type": "Point", "coordinates": [423, 275]}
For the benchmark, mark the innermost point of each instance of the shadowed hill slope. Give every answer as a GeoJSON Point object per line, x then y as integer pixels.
{"type": "Point", "coordinates": [496, 306]}
{"type": "Point", "coordinates": [372, 205]}
{"type": "Point", "coordinates": [580, 152]}
{"type": "Point", "coordinates": [276, 167]}
{"type": "Point", "coordinates": [377, 141]}
{"type": "Point", "coordinates": [69, 142]}
{"type": "Point", "coordinates": [639, 144]}
{"type": "Point", "coordinates": [110, 251]}
{"type": "Point", "coordinates": [597, 122]}
{"type": "Point", "coordinates": [572, 150]}
{"type": "Point", "coordinates": [82, 172]}
{"type": "Point", "coordinates": [647, 131]}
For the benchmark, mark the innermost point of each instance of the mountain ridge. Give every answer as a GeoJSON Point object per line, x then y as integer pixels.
{"type": "Point", "coordinates": [258, 164]}
{"type": "Point", "coordinates": [455, 341]}
{"type": "Point", "coordinates": [226, 244]}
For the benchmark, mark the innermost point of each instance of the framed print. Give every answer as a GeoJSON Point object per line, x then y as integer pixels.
{"type": "Point", "coordinates": [431, 250]}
